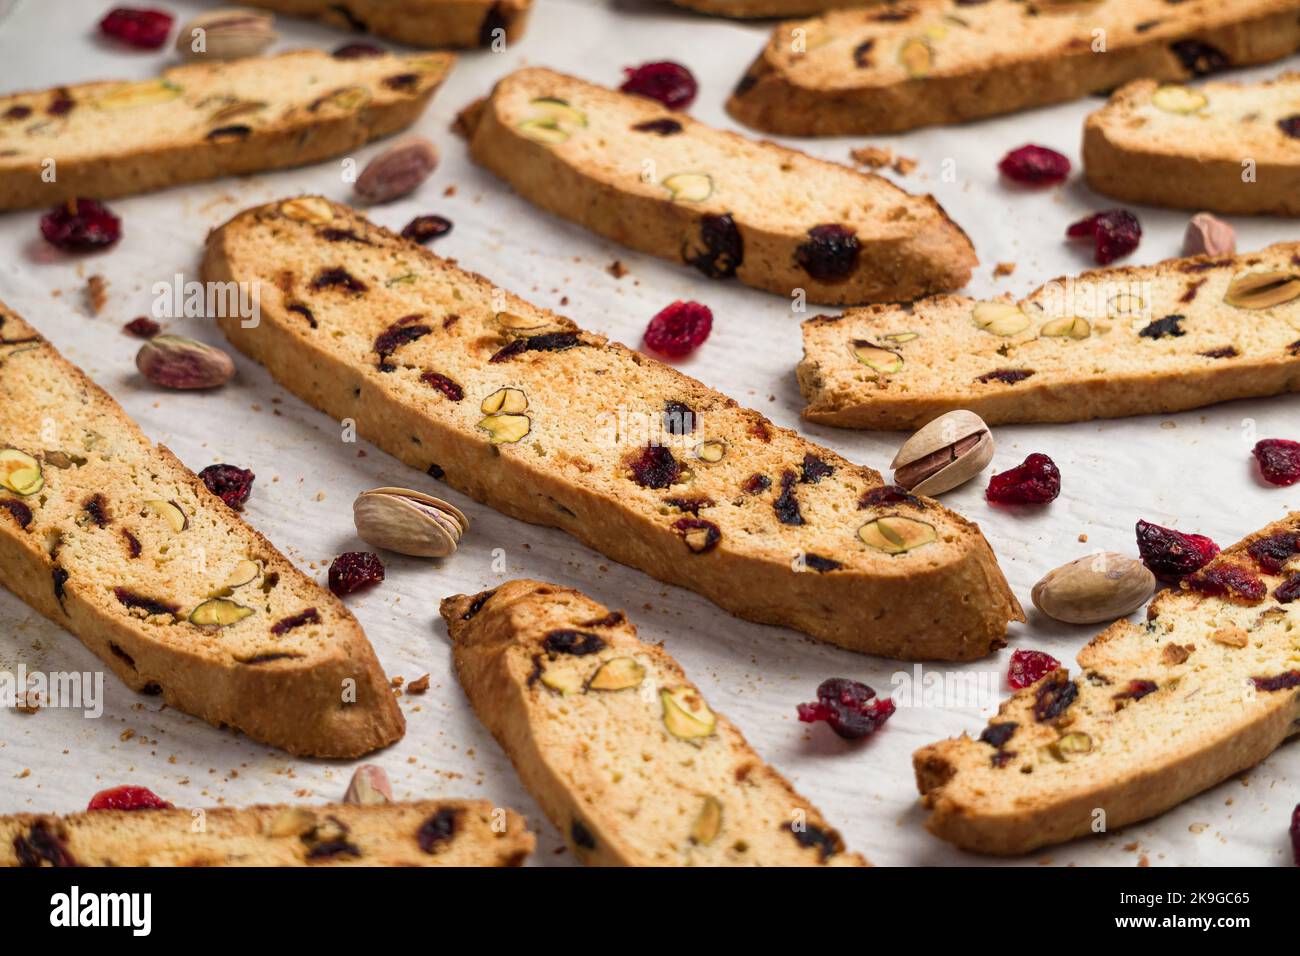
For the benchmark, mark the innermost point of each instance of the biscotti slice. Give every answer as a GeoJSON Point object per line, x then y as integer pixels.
{"type": "Point", "coordinates": [114, 539]}
{"type": "Point", "coordinates": [204, 120]}
{"type": "Point", "coordinates": [617, 745]}
{"type": "Point", "coordinates": [1208, 687]}
{"type": "Point", "coordinates": [928, 62]}
{"type": "Point", "coordinates": [1112, 342]}
{"type": "Point", "coordinates": [420, 833]}
{"type": "Point", "coordinates": [658, 181]}
{"type": "Point", "coordinates": [742, 9]}
{"type": "Point", "coordinates": [427, 23]}
{"type": "Point", "coordinates": [522, 410]}
{"type": "Point", "coordinates": [1226, 147]}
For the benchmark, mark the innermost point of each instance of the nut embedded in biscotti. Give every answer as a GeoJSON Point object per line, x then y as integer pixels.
{"type": "Point", "coordinates": [219, 612]}
{"type": "Point", "coordinates": [369, 787]}
{"type": "Point", "coordinates": [408, 522]}
{"type": "Point", "coordinates": [226, 34]}
{"type": "Point", "coordinates": [999, 318]}
{"type": "Point", "coordinates": [1070, 745]}
{"type": "Point", "coordinates": [312, 209]}
{"type": "Point", "coordinates": [618, 673]}
{"type": "Point", "coordinates": [20, 472]}
{"type": "Point", "coordinates": [1262, 290]}
{"type": "Point", "coordinates": [708, 822]}
{"type": "Point", "coordinates": [397, 171]}
{"type": "Point", "coordinates": [895, 534]}
{"type": "Point", "coordinates": [689, 187]}
{"type": "Point", "coordinates": [1208, 235]}
{"type": "Point", "coordinates": [1094, 589]}
{"type": "Point", "coordinates": [507, 401]}
{"type": "Point", "coordinates": [686, 715]}
{"type": "Point", "coordinates": [1066, 327]}
{"type": "Point", "coordinates": [552, 122]}
{"type": "Point", "coordinates": [170, 512]}
{"type": "Point", "coordinates": [949, 451]}
{"type": "Point", "coordinates": [506, 429]}
{"type": "Point", "coordinates": [876, 358]}
{"type": "Point", "coordinates": [711, 450]}
{"type": "Point", "coordinates": [916, 56]}
{"type": "Point", "coordinates": [1179, 99]}
{"type": "Point", "coordinates": [174, 361]}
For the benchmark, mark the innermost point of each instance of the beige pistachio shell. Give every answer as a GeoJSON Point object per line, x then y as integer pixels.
{"type": "Point", "coordinates": [946, 453]}
{"type": "Point", "coordinates": [1094, 589]}
{"type": "Point", "coordinates": [408, 522]}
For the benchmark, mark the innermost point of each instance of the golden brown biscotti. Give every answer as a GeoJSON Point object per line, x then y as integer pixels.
{"type": "Point", "coordinates": [204, 120]}
{"type": "Point", "coordinates": [419, 833]}
{"type": "Point", "coordinates": [744, 9]}
{"type": "Point", "coordinates": [1208, 687]}
{"type": "Point", "coordinates": [1226, 147]}
{"type": "Point", "coordinates": [114, 539]}
{"type": "Point", "coordinates": [1111, 342]}
{"type": "Point", "coordinates": [661, 183]}
{"type": "Point", "coordinates": [615, 742]}
{"type": "Point", "coordinates": [522, 410]}
{"type": "Point", "coordinates": [928, 62]}
{"type": "Point", "coordinates": [427, 23]}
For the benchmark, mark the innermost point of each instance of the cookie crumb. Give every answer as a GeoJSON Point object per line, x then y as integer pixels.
{"type": "Point", "coordinates": [1003, 269]}
{"type": "Point", "coordinates": [1083, 539]}
{"type": "Point", "coordinates": [873, 157]}
{"type": "Point", "coordinates": [96, 293]}
{"type": "Point", "coordinates": [903, 165]}
{"type": "Point", "coordinates": [616, 269]}
{"type": "Point", "coordinates": [419, 685]}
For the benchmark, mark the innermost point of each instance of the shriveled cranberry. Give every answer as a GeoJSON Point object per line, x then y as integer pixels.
{"type": "Point", "coordinates": [1115, 233]}
{"type": "Point", "coordinates": [1136, 690]}
{"type": "Point", "coordinates": [1172, 555]}
{"type": "Point", "coordinates": [1284, 681]}
{"type": "Point", "coordinates": [127, 798]}
{"type": "Point", "coordinates": [569, 641]}
{"type": "Point", "coordinates": [1227, 581]}
{"type": "Point", "coordinates": [721, 248]}
{"type": "Point", "coordinates": [1035, 166]}
{"type": "Point", "coordinates": [425, 229]}
{"type": "Point", "coordinates": [679, 329]}
{"type": "Point", "coordinates": [1199, 58]}
{"type": "Point", "coordinates": [700, 536]}
{"type": "Point", "coordinates": [143, 29]}
{"type": "Point", "coordinates": [888, 495]}
{"type": "Point", "coordinates": [850, 707]}
{"type": "Point", "coordinates": [142, 327]}
{"type": "Point", "coordinates": [1290, 125]}
{"type": "Point", "coordinates": [660, 127]}
{"type": "Point", "coordinates": [1287, 591]}
{"type": "Point", "coordinates": [231, 484]}
{"type": "Point", "coordinates": [81, 225]}
{"type": "Point", "coordinates": [442, 383]}
{"type": "Point", "coordinates": [655, 467]}
{"type": "Point", "coordinates": [1295, 834]}
{"type": "Point", "coordinates": [1028, 667]}
{"type": "Point", "coordinates": [1007, 376]}
{"type": "Point", "coordinates": [1273, 553]}
{"type": "Point", "coordinates": [756, 484]}
{"type": "Point", "coordinates": [829, 254]}
{"type": "Point", "coordinates": [354, 570]}
{"type": "Point", "coordinates": [1035, 482]}
{"type": "Point", "coordinates": [356, 51]}
{"type": "Point", "coordinates": [437, 831]}
{"type": "Point", "coordinates": [670, 83]}
{"type": "Point", "coordinates": [1054, 697]}
{"type": "Point", "coordinates": [814, 469]}
{"type": "Point", "coordinates": [1279, 460]}
{"type": "Point", "coordinates": [786, 504]}
{"type": "Point", "coordinates": [996, 735]}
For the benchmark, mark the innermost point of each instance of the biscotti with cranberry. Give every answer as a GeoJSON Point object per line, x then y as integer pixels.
{"type": "Point", "coordinates": [744, 9]}
{"type": "Point", "coordinates": [929, 62]}
{"type": "Point", "coordinates": [114, 539]}
{"type": "Point", "coordinates": [419, 833]}
{"type": "Point", "coordinates": [1226, 147]}
{"type": "Point", "coordinates": [617, 745]}
{"type": "Point", "coordinates": [201, 121]}
{"type": "Point", "coordinates": [425, 23]}
{"type": "Point", "coordinates": [662, 183]}
{"type": "Point", "coordinates": [1208, 687]}
{"type": "Point", "coordinates": [524, 411]}
{"type": "Point", "coordinates": [1129, 341]}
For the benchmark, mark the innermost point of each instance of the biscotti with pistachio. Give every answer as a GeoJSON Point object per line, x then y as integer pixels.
{"type": "Point", "coordinates": [201, 121]}
{"type": "Point", "coordinates": [426, 23]}
{"type": "Point", "coordinates": [1208, 687]}
{"type": "Point", "coordinates": [662, 183]}
{"type": "Point", "coordinates": [1127, 341]}
{"type": "Point", "coordinates": [112, 538]}
{"type": "Point", "coordinates": [524, 411]}
{"type": "Point", "coordinates": [618, 746]}
{"type": "Point", "coordinates": [419, 833]}
{"type": "Point", "coordinates": [926, 62]}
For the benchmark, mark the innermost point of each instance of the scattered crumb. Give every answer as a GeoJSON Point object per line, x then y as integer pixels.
{"type": "Point", "coordinates": [419, 685]}
{"type": "Point", "coordinates": [1168, 425]}
{"type": "Point", "coordinates": [1143, 861]}
{"type": "Point", "coordinates": [1198, 827]}
{"type": "Point", "coordinates": [96, 293]}
{"type": "Point", "coordinates": [1003, 269]}
{"type": "Point", "coordinates": [127, 734]}
{"type": "Point", "coordinates": [873, 157]}
{"type": "Point", "coordinates": [1131, 847]}
{"type": "Point", "coordinates": [320, 496]}
{"type": "Point", "coordinates": [1083, 539]}
{"type": "Point", "coordinates": [616, 269]}
{"type": "Point", "coordinates": [397, 681]}
{"type": "Point", "coordinates": [25, 772]}
{"type": "Point", "coordinates": [903, 165]}
{"type": "Point", "coordinates": [449, 191]}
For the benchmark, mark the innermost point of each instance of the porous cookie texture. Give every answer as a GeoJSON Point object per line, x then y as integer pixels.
{"type": "Point", "coordinates": [926, 62]}
{"type": "Point", "coordinates": [419, 833]}
{"type": "Point", "coordinates": [114, 539]}
{"type": "Point", "coordinates": [658, 181]}
{"type": "Point", "coordinates": [1207, 687]}
{"type": "Point", "coordinates": [1227, 147]}
{"type": "Point", "coordinates": [617, 745]}
{"type": "Point", "coordinates": [427, 23]}
{"type": "Point", "coordinates": [524, 411]}
{"type": "Point", "coordinates": [1111, 342]}
{"type": "Point", "coordinates": [204, 120]}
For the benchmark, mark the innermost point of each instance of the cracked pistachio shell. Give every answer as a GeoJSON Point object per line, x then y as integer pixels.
{"type": "Point", "coordinates": [946, 453]}
{"type": "Point", "coordinates": [408, 522]}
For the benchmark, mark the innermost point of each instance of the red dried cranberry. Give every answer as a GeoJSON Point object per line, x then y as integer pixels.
{"type": "Point", "coordinates": [1287, 591]}
{"type": "Point", "coordinates": [442, 383]}
{"type": "Point", "coordinates": [356, 51]}
{"type": "Point", "coordinates": [143, 29]}
{"type": "Point", "coordinates": [1035, 166]}
{"type": "Point", "coordinates": [425, 229]}
{"type": "Point", "coordinates": [231, 484]}
{"type": "Point", "coordinates": [850, 707]}
{"type": "Point", "coordinates": [1295, 834]}
{"type": "Point", "coordinates": [81, 225]}
{"type": "Point", "coordinates": [679, 329]}
{"type": "Point", "coordinates": [127, 798]}
{"type": "Point", "coordinates": [721, 248]}
{"type": "Point", "coordinates": [829, 254]}
{"type": "Point", "coordinates": [143, 327]}
{"type": "Point", "coordinates": [1035, 482]}
{"type": "Point", "coordinates": [1279, 460]}
{"type": "Point", "coordinates": [1115, 233]}
{"type": "Point", "coordinates": [1054, 697]}
{"type": "Point", "coordinates": [1199, 58]}
{"type": "Point", "coordinates": [1273, 553]}
{"type": "Point", "coordinates": [1284, 681]}
{"type": "Point", "coordinates": [1172, 555]}
{"type": "Point", "coordinates": [354, 570]}
{"type": "Point", "coordinates": [1028, 667]}
{"type": "Point", "coordinates": [1137, 689]}
{"type": "Point", "coordinates": [670, 83]}
{"type": "Point", "coordinates": [1290, 125]}
{"type": "Point", "coordinates": [888, 495]}
{"type": "Point", "coordinates": [1228, 581]}
{"type": "Point", "coordinates": [655, 467]}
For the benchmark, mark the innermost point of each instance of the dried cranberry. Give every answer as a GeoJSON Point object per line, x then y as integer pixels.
{"type": "Point", "coordinates": [1137, 689]}
{"type": "Point", "coordinates": [444, 384]}
{"type": "Point", "coordinates": [17, 510]}
{"type": "Point", "coordinates": [1290, 125]}
{"type": "Point", "coordinates": [1227, 581]}
{"type": "Point", "coordinates": [679, 329]}
{"type": "Point", "coordinates": [786, 504]}
{"type": "Point", "coordinates": [546, 342]}
{"type": "Point", "coordinates": [437, 831]}
{"type": "Point", "coordinates": [1115, 233]}
{"type": "Point", "coordinates": [850, 707]}
{"type": "Point", "coordinates": [402, 332]}
{"type": "Point", "coordinates": [1035, 482]}
{"type": "Point", "coordinates": [127, 798]}
{"type": "Point", "coordinates": [756, 484]}
{"type": "Point", "coordinates": [576, 643]}
{"type": "Point", "coordinates": [829, 254]}
{"type": "Point", "coordinates": [144, 29]}
{"type": "Point", "coordinates": [996, 735]}
{"type": "Point", "coordinates": [814, 469]}
{"type": "Point", "coordinates": [1295, 834]}
{"type": "Point", "coordinates": [660, 127]}
{"type": "Point", "coordinates": [231, 484]}
{"type": "Point", "coordinates": [1054, 698]}
{"type": "Point", "coordinates": [722, 248]}
{"type": "Point", "coordinates": [1028, 667]}
{"type": "Point", "coordinates": [655, 467]}
{"type": "Point", "coordinates": [670, 83]}
{"type": "Point", "coordinates": [1283, 681]}
{"type": "Point", "coordinates": [356, 51]}
{"type": "Point", "coordinates": [354, 570]}
{"type": "Point", "coordinates": [143, 327]}
{"type": "Point", "coordinates": [1172, 555]}
{"type": "Point", "coordinates": [1273, 553]}
{"type": "Point", "coordinates": [1199, 58]}
{"type": "Point", "coordinates": [1035, 166]}
{"type": "Point", "coordinates": [302, 618]}
{"type": "Point", "coordinates": [820, 563]}
{"type": "Point", "coordinates": [1008, 376]}
{"type": "Point", "coordinates": [19, 112]}
{"type": "Point", "coordinates": [81, 225]}
{"type": "Point", "coordinates": [1279, 460]}
{"type": "Point", "coordinates": [1171, 326]}
{"type": "Point", "coordinates": [700, 536]}
{"type": "Point", "coordinates": [1287, 591]}
{"type": "Point", "coordinates": [888, 495]}
{"type": "Point", "coordinates": [424, 229]}
{"type": "Point", "coordinates": [41, 845]}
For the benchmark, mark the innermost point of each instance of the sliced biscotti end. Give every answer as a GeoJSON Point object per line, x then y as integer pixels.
{"type": "Point", "coordinates": [418, 833]}
{"type": "Point", "coordinates": [1206, 688]}
{"type": "Point", "coordinates": [617, 744]}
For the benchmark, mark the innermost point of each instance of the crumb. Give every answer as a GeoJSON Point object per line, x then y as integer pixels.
{"type": "Point", "coordinates": [24, 773]}
{"type": "Point", "coordinates": [1003, 269]}
{"type": "Point", "coordinates": [616, 269]}
{"type": "Point", "coordinates": [1198, 828]}
{"type": "Point", "coordinates": [1131, 847]}
{"type": "Point", "coordinates": [449, 191]}
{"type": "Point", "coordinates": [903, 165]}
{"type": "Point", "coordinates": [419, 685]}
{"type": "Point", "coordinates": [320, 496]}
{"type": "Point", "coordinates": [1083, 539]}
{"type": "Point", "coordinates": [1168, 425]}
{"type": "Point", "coordinates": [1143, 861]}
{"type": "Point", "coordinates": [361, 453]}
{"type": "Point", "coordinates": [127, 734]}
{"type": "Point", "coordinates": [96, 293]}
{"type": "Point", "coordinates": [873, 157]}
{"type": "Point", "coordinates": [397, 681]}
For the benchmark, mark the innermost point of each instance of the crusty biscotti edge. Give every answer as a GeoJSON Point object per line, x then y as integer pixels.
{"type": "Point", "coordinates": [765, 9]}
{"type": "Point", "coordinates": [441, 24]}
{"type": "Point", "coordinates": [292, 706]}
{"type": "Point", "coordinates": [478, 661]}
